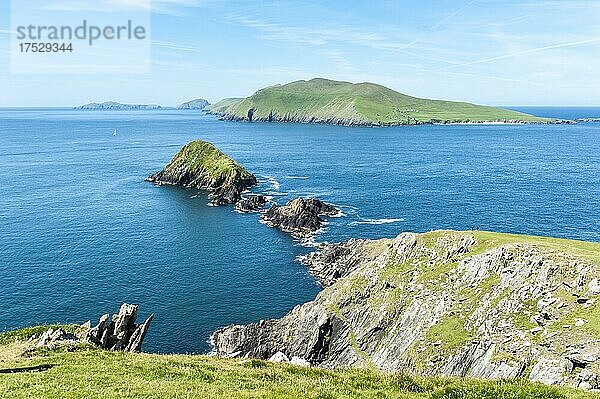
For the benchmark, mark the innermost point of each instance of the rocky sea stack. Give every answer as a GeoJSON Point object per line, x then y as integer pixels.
{"type": "Point", "coordinates": [469, 304]}
{"type": "Point", "coordinates": [300, 216]}
{"type": "Point", "coordinates": [203, 166]}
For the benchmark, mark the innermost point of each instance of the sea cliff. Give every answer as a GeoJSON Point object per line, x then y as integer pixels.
{"type": "Point", "coordinates": [467, 304]}
{"type": "Point", "coordinates": [358, 104]}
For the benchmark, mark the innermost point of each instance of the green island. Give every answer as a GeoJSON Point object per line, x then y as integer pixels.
{"type": "Point", "coordinates": [203, 166]}
{"type": "Point", "coordinates": [357, 104]}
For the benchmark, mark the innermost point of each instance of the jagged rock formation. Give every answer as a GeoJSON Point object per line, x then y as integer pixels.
{"type": "Point", "coordinates": [333, 261]}
{"type": "Point", "coordinates": [119, 333]}
{"type": "Point", "coordinates": [251, 203]}
{"type": "Point", "coordinates": [201, 165]}
{"type": "Point", "coordinates": [300, 216]}
{"type": "Point", "coordinates": [473, 304]}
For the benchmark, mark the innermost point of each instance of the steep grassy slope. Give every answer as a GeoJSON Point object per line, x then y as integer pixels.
{"type": "Point", "coordinates": [328, 101]}
{"type": "Point", "coordinates": [203, 166]}
{"type": "Point", "coordinates": [222, 105]}
{"type": "Point", "coordinates": [469, 304]}
{"type": "Point", "coordinates": [88, 373]}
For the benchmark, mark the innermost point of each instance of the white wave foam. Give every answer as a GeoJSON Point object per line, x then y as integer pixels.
{"type": "Point", "coordinates": [295, 177]}
{"type": "Point", "coordinates": [376, 221]}
{"type": "Point", "coordinates": [273, 182]}
{"type": "Point", "coordinates": [340, 214]}
{"type": "Point", "coordinates": [276, 193]}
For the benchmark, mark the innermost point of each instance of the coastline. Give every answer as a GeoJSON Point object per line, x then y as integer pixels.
{"type": "Point", "coordinates": [358, 123]}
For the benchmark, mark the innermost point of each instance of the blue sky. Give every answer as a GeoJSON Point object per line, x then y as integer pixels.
{"type": "Point", "coordinates": [523, 52]}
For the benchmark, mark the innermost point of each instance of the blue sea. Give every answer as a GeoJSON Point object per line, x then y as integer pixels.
{"type": "Point", "coordinates": [81, 232]}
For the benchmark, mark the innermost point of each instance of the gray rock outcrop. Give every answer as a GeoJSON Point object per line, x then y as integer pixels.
{"type": "Point", "coordinates": [119, 333]}
{"type": "Point", "coordinates": [251, 203]}
{"type": "Point", "coordinates": [441, 303]}
{"type": "Point", "coordinates": [300, 216]}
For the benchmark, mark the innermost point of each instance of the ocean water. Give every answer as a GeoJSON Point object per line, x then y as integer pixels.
{"type": "Point", "coordinates": [81, 232]}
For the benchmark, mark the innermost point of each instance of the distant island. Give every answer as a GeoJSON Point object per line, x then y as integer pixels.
{"type": "Point", "coordinates": [115, 106]}
{"type": "Point", "coordinates": [357, 104]}
{"type": "Point", "coordinates": [198, 103]}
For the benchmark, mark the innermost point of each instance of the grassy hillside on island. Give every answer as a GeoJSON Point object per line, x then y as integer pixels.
{"type": "Point", "coordinates": [343, 103]}
{"type": "Point", "coordinates": [222, 105]}
{"type": "Point", "coordinates": [201, 165]}
{"type": "Point", "coordinates": [88, 373]}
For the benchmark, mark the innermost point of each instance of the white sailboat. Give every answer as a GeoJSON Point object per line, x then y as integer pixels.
{"type": "Point", "coordinates": [115, 132]}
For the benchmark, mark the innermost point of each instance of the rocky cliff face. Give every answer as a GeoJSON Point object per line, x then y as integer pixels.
{"type": "Point", "coordinates": [300, 216]}
{"type": "Point", "coordinates": [473, 304]}
{"type": "Point", "coordinates": [202, 166]}
{"type": "Point", "coordinates": [299, 117]}
{"type": "Point", "coordinates": [251, 203]}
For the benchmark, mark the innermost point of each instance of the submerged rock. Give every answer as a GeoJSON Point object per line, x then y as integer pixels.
{"type": "Point", "coordinates": [202, 166]}
{"type": "Point", "coordinates": [300, 216]}
{"type": "Point", "coordinates": [251, 203]}
{"type": "Point", "coordinates": [440, 303]}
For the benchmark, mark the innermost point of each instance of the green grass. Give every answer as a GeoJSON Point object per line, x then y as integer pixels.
{"type": "Point", "coordinates": [26, 333]}
{"type": "Point", "coordinates": [222, 105]}
{"type": "Point", "coordinates": [585, 249]}
{"type": "Point", "coordinates": [96, 374]}
{"type": "Point", "coordinates": [202, 157]}
{"type": "Point", "coordinates": [450, 332]}
{"type": "Point", "coordinates": [85, 372]}
{"type": "Point", "coordinates": [362, 103]}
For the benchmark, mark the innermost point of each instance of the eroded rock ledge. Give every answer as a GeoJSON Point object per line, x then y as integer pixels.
{"type": "Point", "coordinates": [251, 203]}
{"type": "Point", "coordinates": [300, 216]}
{"type": "Point", "coordinates": [119, 333]}
{"type": "Point", "coordinates": [203, 166]}
{"type": "Point", "coordinates": [470, 304]}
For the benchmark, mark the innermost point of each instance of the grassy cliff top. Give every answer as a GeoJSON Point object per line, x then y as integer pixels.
{"type": "Point", "coordinates": [202, 157]}
{"type": "Point", "coordinates": [85, 372]}
{"type": "Point", "coordinates": [222, 105]}
{"type": "Point", "coordinates": [364, 103]}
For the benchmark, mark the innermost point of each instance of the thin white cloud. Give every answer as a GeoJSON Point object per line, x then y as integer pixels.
{"type": "Point", "coordinates": [533, 50]}
{"type": "Point", "coordinates": [176, 46]}
{"type": "Point", "coordinates": [452, 15]}
{"type": "Point", "coordinates": [561, 5]}
{"type": "Point", "coordinates": [319, 36]}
